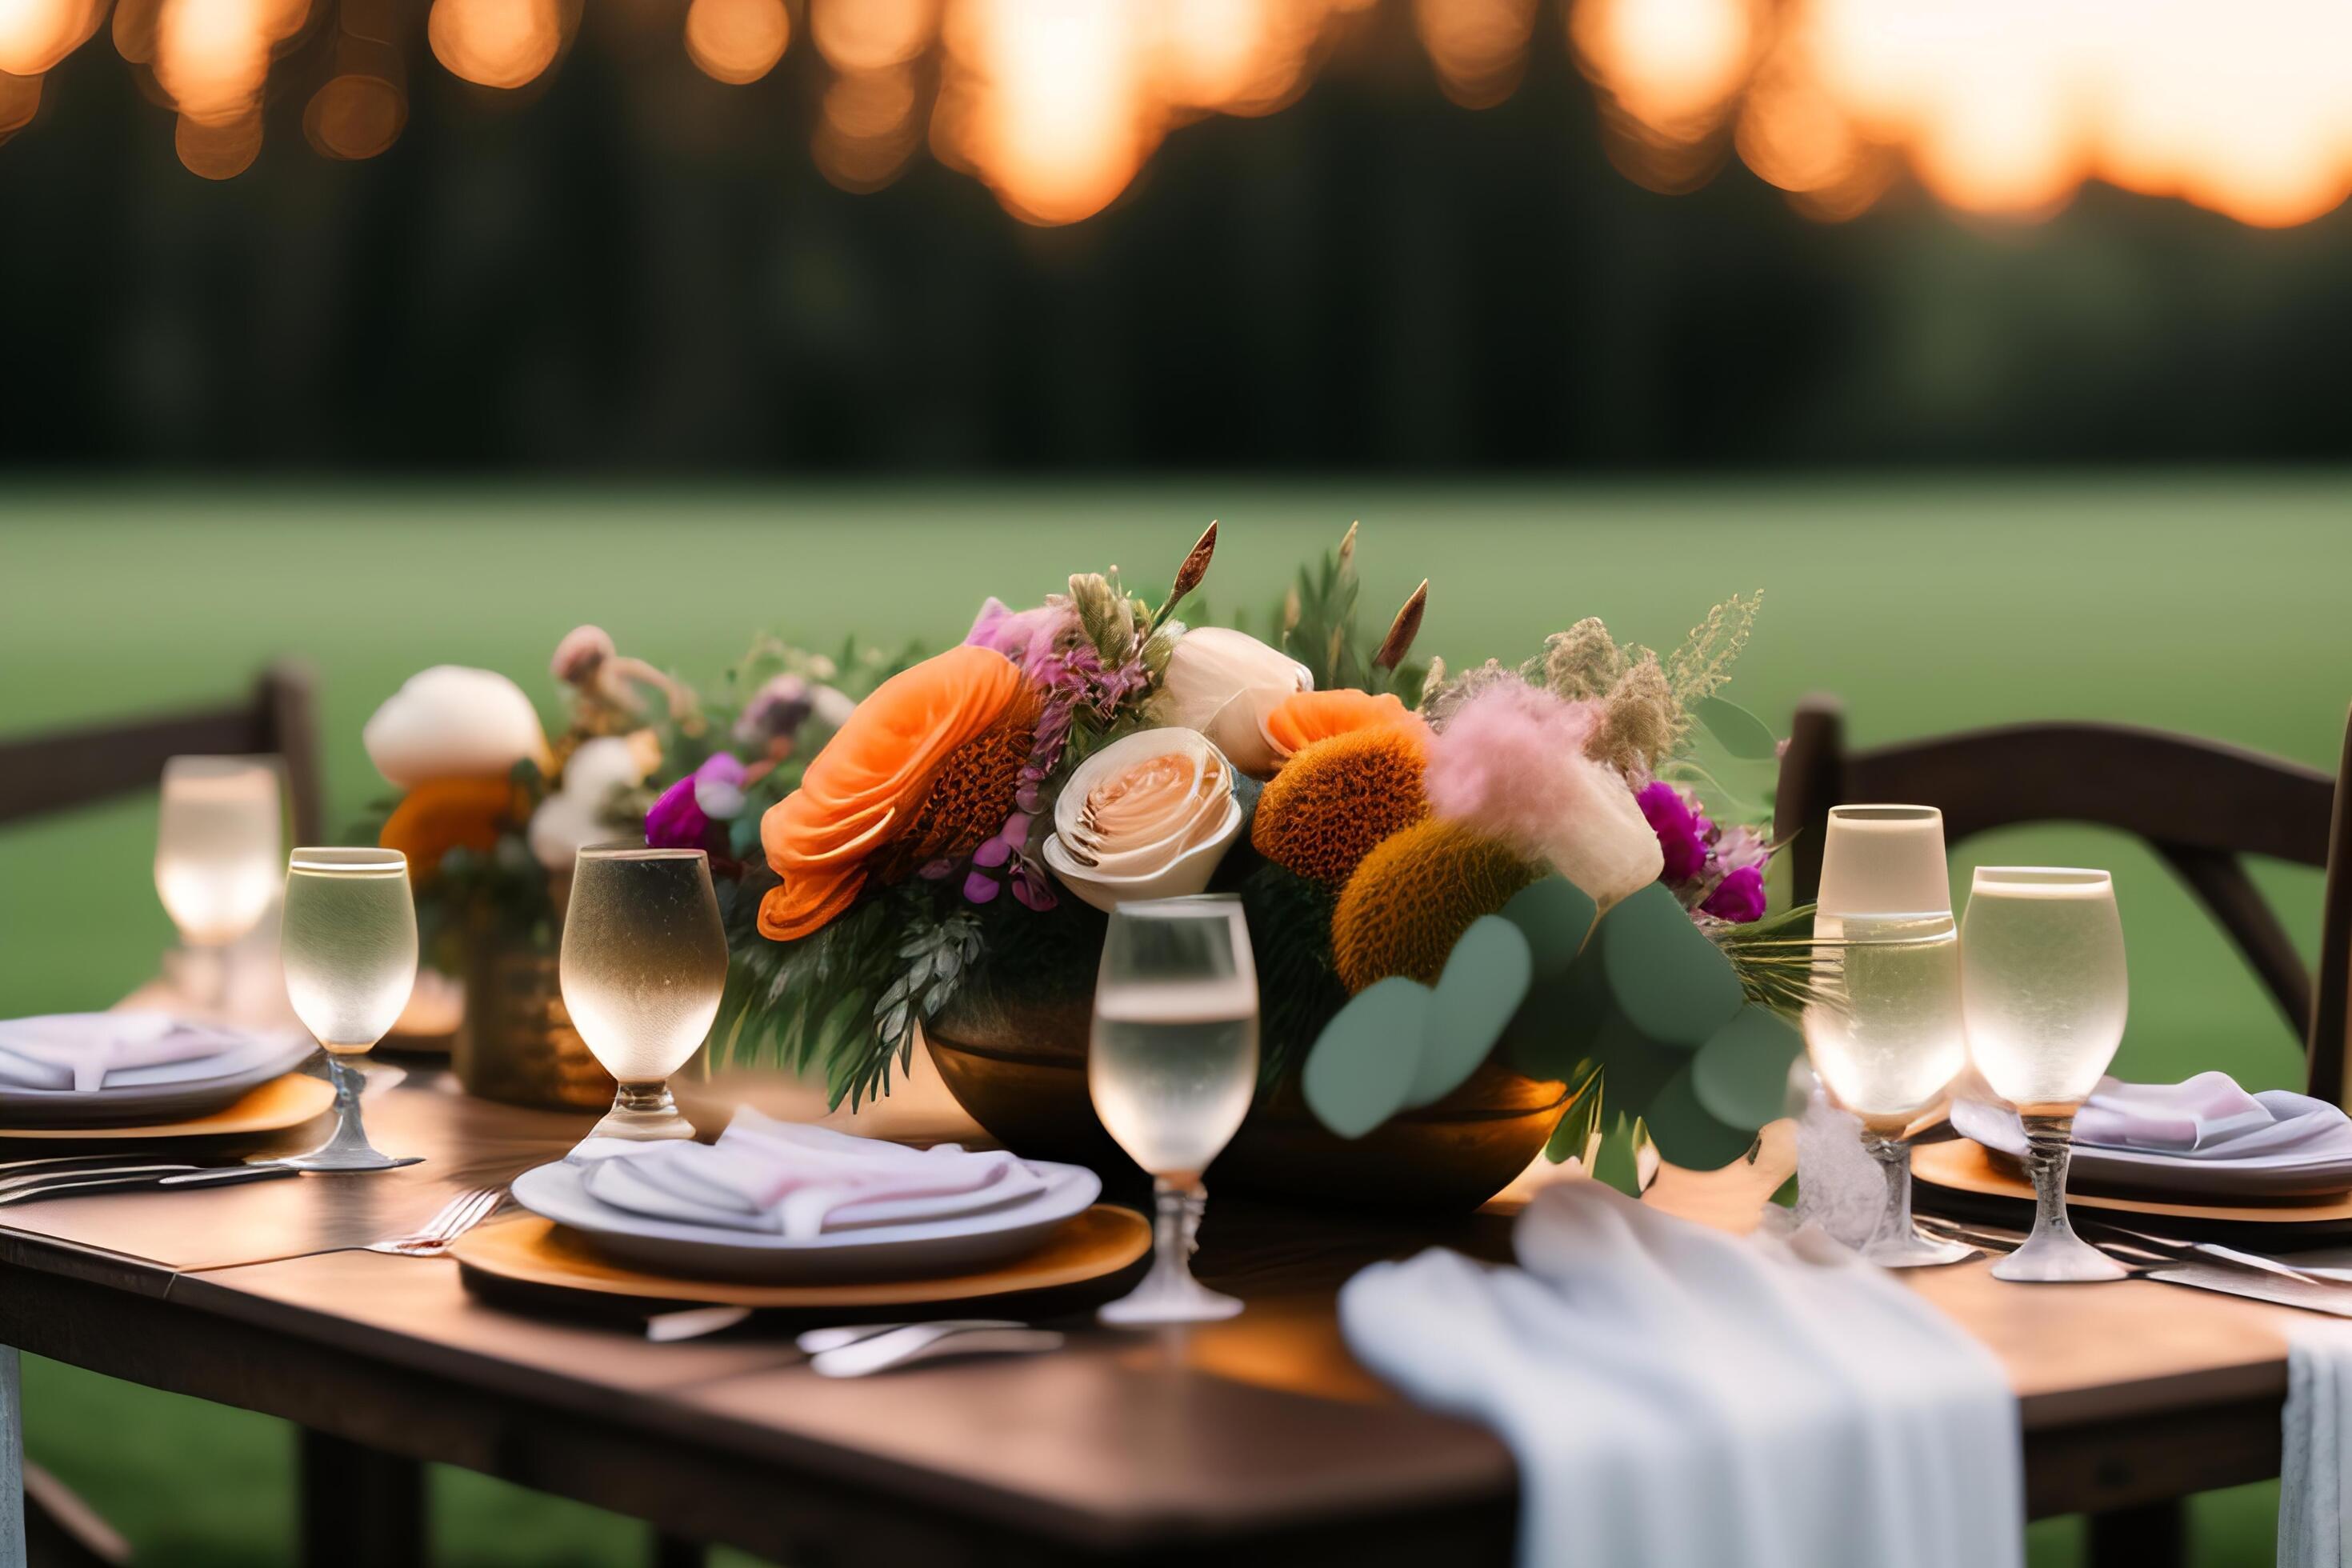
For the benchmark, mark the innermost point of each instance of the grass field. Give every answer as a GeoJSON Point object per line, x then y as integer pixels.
{"type": "Point", "coordinates": [2211, 606]}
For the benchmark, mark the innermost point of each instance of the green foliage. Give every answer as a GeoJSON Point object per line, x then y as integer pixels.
{"type": "Point", "coordinates": [1290, 935]}
{"type": "Point", "coordinates": [1319, 630]}
{"type": "Point", "coordinates": [1618, 1162]}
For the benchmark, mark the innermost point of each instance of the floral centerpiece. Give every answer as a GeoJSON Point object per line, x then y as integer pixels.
{"type": "Point", "coordinates": [1476, 898]}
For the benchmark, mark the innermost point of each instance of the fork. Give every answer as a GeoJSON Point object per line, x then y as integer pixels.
{"type": "Point", "coordinates": [454, 1219]}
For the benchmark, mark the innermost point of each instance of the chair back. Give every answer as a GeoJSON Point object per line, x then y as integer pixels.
{"type": "Point", "coordinates": [41, 774]}
{"type": "Point", "coordinates": [2200, 804]}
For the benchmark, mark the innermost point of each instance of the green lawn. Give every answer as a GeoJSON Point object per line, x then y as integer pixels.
{"type": "Point", "coordinates": [2207, 604]}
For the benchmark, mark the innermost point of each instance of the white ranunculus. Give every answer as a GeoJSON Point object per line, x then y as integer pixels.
{"type": "Point", "coordinates": [574, 817]}
{"type": "Point", "coordinates": [1224, 683]}
{"type": "Point", "coordinates": [1149, 816]}
{"type": "Point", "coordinates": [1605, 845]}
{"type": "Point", "coordinates": [450, 722]}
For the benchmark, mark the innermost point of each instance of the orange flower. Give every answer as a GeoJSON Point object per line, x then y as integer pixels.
{"type": "Point", "coordinates": [1297, 722]}
{"type": "Point", "coordinates": [865, 790]}
{"type": "Point", "coordinates": [442, 814]}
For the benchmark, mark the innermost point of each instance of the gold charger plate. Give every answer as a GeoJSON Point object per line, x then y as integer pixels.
{"type": "Point", "coordinates": [273, 1107]}
{"type": "Point", "coordinates": [539, 1252]}
{"type": "Point", "coordinates": [1964, 1165]}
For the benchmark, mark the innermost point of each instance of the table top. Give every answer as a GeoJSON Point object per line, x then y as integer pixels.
{"type": "Point", "coordinates": [1232, 1430]}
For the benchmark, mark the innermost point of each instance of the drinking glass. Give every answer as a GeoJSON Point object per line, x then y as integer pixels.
{"type": "Point", "coordinates": [217, 858]}
{"type": "Point", "coordinates": [1172, 1065]}
{"type": "Point", "coordinates": [349, 949]}
{"type": "Point", "coordinates": [643, 965]}
{"type": "Point", "coordinates": [1886, 1035]}
{"type": "Point", "coordinates": [2043, 984]}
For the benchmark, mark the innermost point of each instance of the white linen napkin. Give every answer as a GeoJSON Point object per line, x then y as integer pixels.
{"type": "Point", "coordinates": [2316, 1463]}
{"type": "Point", "coordinates": [801, 1180]}
{"type": "Point", "coordinates": [1677, 1396]}
{"type": "Point", "coordinates": [2206, 1117]}
{"type": "Point", "coordinates": [81, 1051]}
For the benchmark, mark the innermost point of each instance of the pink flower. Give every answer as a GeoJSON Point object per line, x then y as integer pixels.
{"type": "Point", "coordinates": [1739, 898]}
{"type": "Point", "coordinates": [1028, 637]}
{"type": "Point", "coordinates": [681, 818]}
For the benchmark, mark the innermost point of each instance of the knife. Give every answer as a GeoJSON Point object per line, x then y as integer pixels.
{"type": "Point", "coordinates": [84, 1181]}
{"type": "Point", "coordinates": [2312, 1295]}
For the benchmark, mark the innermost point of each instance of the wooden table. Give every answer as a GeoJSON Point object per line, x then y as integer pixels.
{"type": "Point", "coordinates": [1247, 1439]}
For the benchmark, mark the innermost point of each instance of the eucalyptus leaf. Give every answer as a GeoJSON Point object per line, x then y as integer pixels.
{"type": "Point", "coordinates": [1572, 1138]}
{"type": "Point", "coordinates": [1555, 915]}
{"type": "Point", "coordinates": [1687, 1133]}
{"type": "Point", "coordinates": [1556, 1026]}
{"type": "Point", "coordinates": [1742, 733]}
{"type": "Point", "coordinates": [1363, 1064]}
{"type": "Point", "coordinates": [1618, 1160]}
{"type": "Point", "coordinates": [1484, 980]}
{"type": "Point", "coordinates": [1741, 1075]}
{"type": "Point", "coordinates": [1665, 974]}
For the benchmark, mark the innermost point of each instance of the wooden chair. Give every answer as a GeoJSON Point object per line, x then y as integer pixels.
{"type": "Point", "coordinates": [2198, 803]}
{"type": "Point", "coordinates": [65, 768]}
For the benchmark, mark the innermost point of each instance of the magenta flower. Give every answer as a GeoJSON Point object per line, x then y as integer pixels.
{"type": "Point", "coordinates": [1028, 637]}
{"type": "Point", "coordinates": [682, 815]}
{"type": "Point", "coordinates": [1739, 898]}
{"type": "Point", "coordinates": [1682, 833]}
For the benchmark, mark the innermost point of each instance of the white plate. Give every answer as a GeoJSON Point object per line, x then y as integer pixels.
{"type": "Point", "coordinates": [2315, 1172]}
{"type": "Point", "coordinates": [158, 1093]}
{"type": "Point", "coordinates": [558, 1192]}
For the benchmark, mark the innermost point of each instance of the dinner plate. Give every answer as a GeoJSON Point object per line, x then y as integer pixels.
{"type": "Point", "coordinates": [277, 1106]}
{"type": "Point", "coordinates": [158, 1093]}
{"type": "Point", "coordinates": [532, 1261]}
{"type": "Point", "coordinates": [558, 1192]}
{"type": "Point", "coordinates": [2309, 1173]}
{"type": "Point", "coordinates": [1977, 1180]}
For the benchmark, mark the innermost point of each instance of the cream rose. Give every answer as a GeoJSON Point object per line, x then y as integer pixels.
{"type": "Point", "coordinates": [1149, 816]}
{"type": "Point", "coordinates": [450, 722]}
{"type": "Point", "coordinates": [574, 817]}
{"type": "Point", "coordinates": [1224, 683]}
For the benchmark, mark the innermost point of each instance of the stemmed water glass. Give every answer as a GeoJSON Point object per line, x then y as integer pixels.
{"type": "Point", "coordinates": [349, 949]}
{"type": "Point", "coordinates": [217, 860]}
{"type": "Point", "coordinates": [1172, 1065]}
{"type": "Point", "coordinates": [1885, 1035]}
{"type": "Point", "coordinates": [643, 969]}
{"type": "Point", "coordinates": [2045, 993]}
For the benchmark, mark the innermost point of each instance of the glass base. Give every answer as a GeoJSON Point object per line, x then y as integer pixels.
{"type": "Point", "coordinates": [348, 1149]}
{"type": "Point", "coordinates": [1914, 1250]}
{"type": "Point", "coordinates": [1169, 1293]}
{"type": "Point", "coordinates": [2058, 1257]}
{"type": "Point", "coordinates": [643, 1113]}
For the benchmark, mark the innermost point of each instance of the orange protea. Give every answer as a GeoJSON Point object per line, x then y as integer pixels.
{"type": "Point", "coordinates": [442, 814]}
{"type": "Point", "coordinates": [1297, 722]}
{"type": "Point", "coordinates": [1336, 798]}
{"type": "Point", "coordinates": [1413, 896]}
{"type": "Point", "coordinates": [867, 789]}
{"type": "Point", "coordinates": [972, 798]}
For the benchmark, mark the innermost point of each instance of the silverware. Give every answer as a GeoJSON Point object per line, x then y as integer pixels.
{"type": "Point", "coordinates": [191, 1176]}
{"type": "Point", "coordinates": [692, 1324]}
{"type": "Point", "coordinates": [2329, 1296]}
{"type": "Point", "coordinates": [915, 1341]}
{"type": "Point", "coordinates": [452, 1220]}
{"type": "Point", "coordinates": [117, 1167]}
{"type": "Point", "coordinates": [817, 1342]}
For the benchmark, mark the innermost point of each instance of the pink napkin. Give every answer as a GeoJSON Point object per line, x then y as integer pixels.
{"type": "Point", "coordinates": [79, 1050]}
{"type": "Point", "coordinates": [801, 1180]}
{"type": "Point", "coordinates": [2169, 1118]}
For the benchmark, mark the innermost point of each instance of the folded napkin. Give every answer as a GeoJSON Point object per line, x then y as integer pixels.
{"type": "Point", "coordinates": [2206, 1117]}
{"type": "Point", "coordinates": [1677, 1395]}
{"type": "Point", "coordinates": [799, 1181]}
{"type": "Point", "coordinates": [2316, 1451]}
{"type": "Point", "coordinates": [85, 1052]}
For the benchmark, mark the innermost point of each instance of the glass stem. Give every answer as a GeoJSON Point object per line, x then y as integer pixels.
{"type": "Point", "coordinates": [1178, 1206]}
{"type": "Point", "coordinates": [1893, 1157]}
{"type": "Point", "coordinates": [2049, 1147]}
{"type": "Point", "coordinates": [350, 1136]}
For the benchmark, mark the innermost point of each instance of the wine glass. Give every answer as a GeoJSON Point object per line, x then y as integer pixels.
{"type": "Point", "coordinates": [349, 949]}
{"type": "Point", "coordinates": [217, 860]}
{"type": "Point", "coordinates": [1172, 1065]}
{"type": "Point", "coordinates": [2045, 993]}
{"type": "Point", "coordinates": [644, 967]}
{"type": "Point", "coordinates": [1886, 1035]}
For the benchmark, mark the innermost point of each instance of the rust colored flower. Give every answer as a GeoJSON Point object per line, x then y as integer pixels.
{"type": "Point", "coordinates": [1297, 722]}
{"type": "Point", "coordinates": [1413, 896]}
{"type": "Point", "coordinates": [442, 814]}
{"type": "Point", "coordinates": [1327, 808]}
{"type": "Point", "coordinates": [867, 788]}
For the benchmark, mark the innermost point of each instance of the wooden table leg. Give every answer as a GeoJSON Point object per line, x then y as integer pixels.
{"type": "Point", "coordinates": [12, 1461]}
{"type": "Point", "coordinates": [361, 1508]}
{"type": "Point", "coordinates": [2152, 1536]}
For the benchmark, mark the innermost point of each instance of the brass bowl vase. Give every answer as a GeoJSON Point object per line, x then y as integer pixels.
{"type": "Point", "coordinates": [516, 1044]}
{"type": "Point", "coordinates": [1019, 1068]}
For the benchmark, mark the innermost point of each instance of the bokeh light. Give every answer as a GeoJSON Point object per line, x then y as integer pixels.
{"type": "Point", "coordinates": [1478, 47]}
{"type": "Point", "coordinates": [871, 35]}
{"type": "Point", "coordinates": [495, 42]}
{"type": "Point", "coordinates": [20, 98]}
{"type": "Point", "coordinates": [869, 128]}
{"type": "Point", "coordinates": [355, 115]}
{"type": "Point", "coordinates": [1050, 101]}
{"type": "Point", "coordinates": [736, 41]}
{"type": "Point", "coordinates": [218, 150]}
{"type": "Point", "coordinates": [36, 35]}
